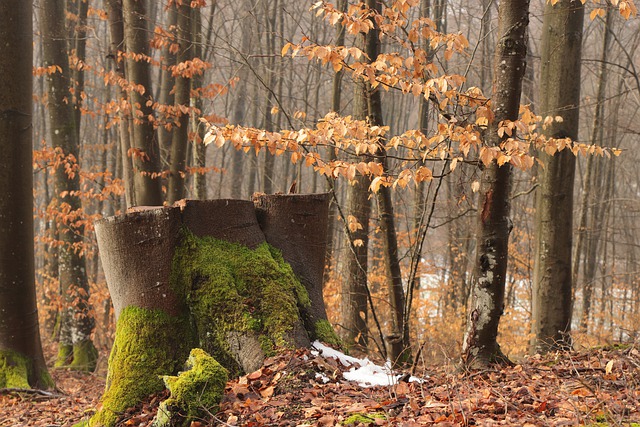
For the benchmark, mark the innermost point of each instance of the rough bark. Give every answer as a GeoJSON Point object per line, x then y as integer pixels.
{"type": "Point", "coordinates": [480, 347]}
{"type": "Point", "coordinates": [167, 81]}
{"type": "Point", "coordinates": [180, 134]}
{"type": "Point", "coordinates": [19, 333]}
{"type": "Point", "coordinates": [296, 224]}
{"type": "Point", "coordinates": [146, 158]}
{"type": "Point", "coordinates": [240, 108]}
{"type": "Point", "coordinates": [116, 48]}
{"type": "Point", "coordinates": [354, 279]}
{"type": "Point", "coordinates": [397, 346]}
{"type": "Point", "coordinates": [76, 323]}
{"type": "Point", "coordinates": [593, 205]}
{"type": "Point", "coordinates": [559, 96]}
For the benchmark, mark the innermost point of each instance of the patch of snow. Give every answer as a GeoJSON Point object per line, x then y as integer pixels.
{"type": "Point", "coordinates": [363, 371]}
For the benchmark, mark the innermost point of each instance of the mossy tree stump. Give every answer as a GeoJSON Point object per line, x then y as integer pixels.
{"type": "Point", "coordinates": [202, 274]}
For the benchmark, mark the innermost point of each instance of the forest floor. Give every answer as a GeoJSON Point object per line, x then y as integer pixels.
{"type": "Point", "coordinates": [599, 387]}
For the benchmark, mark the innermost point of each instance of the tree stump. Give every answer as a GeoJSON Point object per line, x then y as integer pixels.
{"type": "Point", "coordinates": [210, 275]}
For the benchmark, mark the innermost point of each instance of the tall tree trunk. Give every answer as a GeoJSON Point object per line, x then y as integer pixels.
{"type": "Point", "coordinates": [354, 279]}
{"type": "Point", "coordinates": [397, 347]}
{"type": "Point", "coordinates": [80, 47]}
{"type": "Point", "coordinates": [76, 322]}
{"type": "Point", "coordinates": [480, 347]}
{"type": "Point", "coordinates": [559, 96]}
{"type": "Point", "coordinates": [593, 205]}
{"type": "Point", "coordinates": [116, 48]}
{"type": "Point", "coordinates": [240, 108]}
{"type": "Point", "coordinates": [22, 363]}
{"type": "Point", "coordinates": [146, 155]}
{"type": "Point", "coordinates": [166, 96]}
{"type": "Point", "coordinates": [269, 158]}
{"type": "Point", "coordinates": [336, 97]}
{"type": "Point", "coordinates": [180, 135]}
{"type": "Point", "coordinates": [199, 149]}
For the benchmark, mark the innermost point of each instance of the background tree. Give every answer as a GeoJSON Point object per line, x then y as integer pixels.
{"type": "Point", "coordinates": [76, 322]}
{"type": "Point", "coordinates": [21, 359]}
{"type": "Point", "coordinates": [559, 97]}
{"type": "Point", "coordinates": [494, 225]}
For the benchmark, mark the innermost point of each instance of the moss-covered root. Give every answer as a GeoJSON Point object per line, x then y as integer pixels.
{"type": "Point", "coordinates": [323, 331]}
{"type": "Point", "coordinates": [82, 356]}
{"type": "Point", "coordinates": [16, 369]}
{"type": "Point", "coordinates": [148, 344]}
{"type": "Point", "coordinates": [200, 387]}
{"type": "Point", "coordinates": [85, 356]}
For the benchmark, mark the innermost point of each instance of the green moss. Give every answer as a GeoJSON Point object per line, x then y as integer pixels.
{"type": "Point", "coordinates": [200, 386]}
{"type": "Point", "coordinates": [148, 344]}
{"type": "Point", "coordinates": [356, 419]}
{"type": "Point", "coordinates": [14, 370]}
{"type": "Point", "coordinates": [231, 288]}
{"type": "Point", "coordinates": [85, 356]}
{"type": "Point", "coordinates": [324, 332]}
{"type": "Point", "coordinates": [65, 355]}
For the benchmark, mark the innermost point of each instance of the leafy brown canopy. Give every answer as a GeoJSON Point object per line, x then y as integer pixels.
{"type": "Point", "coordinates": [465, 112]}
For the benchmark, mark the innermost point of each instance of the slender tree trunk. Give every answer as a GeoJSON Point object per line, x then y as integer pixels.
{"type": "Point", "coordinates": [480, 346]}
{"type": "Point", "coordinates": [116, 29]}
{"type": "Point", "coordinates": [19, 333]}
{"type": "Point", "coordinates": [146, 155]}
{"type": "Point", "coordinates": [559, 96]}
{"type": "Point", "coordinates": [269, 159]}
{"type": "Point", "coordinates": [336, 97]}
{"type": "Point", "coordinates": [166, 96]}
{"type": "Point", "coordinates": [354, 281]}
{"type": "Point", "coordinates": [80, 53]}
{"type": "Point", "coordinates": [593, 204]}
{"type": "Point", "coordinates": [180, 135]}
{"type": "Point", "coordinates": [200, 150]}
{"type": "Point", "coordinates": [76, 322]}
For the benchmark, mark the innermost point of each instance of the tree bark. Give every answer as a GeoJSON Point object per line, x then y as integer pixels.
{"type": "Point", "coordinates": [116, 48]}
{"type": "Point", "coordinates": [593, 205]}
{"type": "Point", "coordinates": [166, 96]}
{"type": "Point", "coordinates": [215, 283]}
{"type": "Point", "coordinates": [76, 322]}
{"type": "Point", "coordinates": [180, 135]}
{"type": "Point", "coordinates": [297, 224]}
{"type": "Point", "coordinates": [146, 158]}
{"type": "Point", "coordinates": [354, 279]}
{"type": "Point", "coordinates": [480, 347]}
{"type": "Point", "coordinates": [19, 333]}
{"type": "Point", "coordinates": [559, 96]}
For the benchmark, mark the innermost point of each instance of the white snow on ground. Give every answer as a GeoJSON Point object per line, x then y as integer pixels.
{"type": "Point", "coordinates": [363, 371]}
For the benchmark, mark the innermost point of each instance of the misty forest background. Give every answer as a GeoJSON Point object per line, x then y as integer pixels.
{"type": "Point", "coordinates": [246, 81]}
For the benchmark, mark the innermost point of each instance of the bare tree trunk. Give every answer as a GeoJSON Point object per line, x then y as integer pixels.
{"type": "Point", "coordinates": [268, 172]}
{"type": "Point", "coordinates": [180, 135]}
{"type": "Point", "coordinates": [559, 96]}
{"type": "Point", "coordinates": [199, 149]}
{"type": "Point", "coordinates": [19, 333]}
{"type": "Point", "coordinates": [480, 347]}
{"type": "Point", "coordinates": [167, 81]}
{"type": "Point", "coordinates": [354, 280]}
{"type": "Point", "coordinates": [116, 29]}
{"type": "Point", "coordinates": [76, 322]}
{"type": "Point", "coordinates": [593, 204]}
{"type": "Point", "coordinates": [146, 157]}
